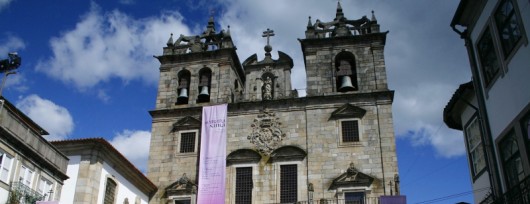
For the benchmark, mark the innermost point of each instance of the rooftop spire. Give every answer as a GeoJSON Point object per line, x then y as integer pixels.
{"type": "Point", "coordinates": [340, 14]}
{"type": "Point", "coordinates": [373, 17]}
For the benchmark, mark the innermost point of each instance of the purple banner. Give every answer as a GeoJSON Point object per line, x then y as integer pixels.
{"type": "Point", "coordinates": [212, 164]}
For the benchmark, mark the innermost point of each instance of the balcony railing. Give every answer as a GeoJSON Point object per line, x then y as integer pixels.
{"type": "Point", "coordinates": [519, 194]}
{"type": "Point", "coordinates": [22, 194]}
{"type": "Point", "coordinates": [367, 200]}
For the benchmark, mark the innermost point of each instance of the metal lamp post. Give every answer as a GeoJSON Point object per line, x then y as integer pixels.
{"type": "Point", "coordinates": [8, 65]}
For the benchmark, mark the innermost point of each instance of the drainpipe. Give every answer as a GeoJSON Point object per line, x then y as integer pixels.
{"type": "Point", "coordinates": [491, 161]}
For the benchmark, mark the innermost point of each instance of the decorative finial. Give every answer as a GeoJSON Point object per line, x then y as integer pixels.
{"type": "Point", "coordinates": [309, 23]}
{"type": "Point", "coordinates": [373, 17]}
{"type": "Point", "coordinates": [268, 33]}
{"type": "Point", "coordinates": [170, 41]}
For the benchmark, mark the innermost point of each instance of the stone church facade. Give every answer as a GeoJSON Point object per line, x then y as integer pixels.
{"type": "Point", "coordinates": [335, 144]}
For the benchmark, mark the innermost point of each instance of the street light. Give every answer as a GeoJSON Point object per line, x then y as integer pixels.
{"type": "Point", "coordinates": [8, 65]}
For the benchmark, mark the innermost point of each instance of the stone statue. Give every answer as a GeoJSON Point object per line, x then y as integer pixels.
{"type": "Point", "coordinates": [352, 172]}
{"type": "Point", "coordinates": [183, 180]}
{"type": "Point", "coordinates": [267, 89]}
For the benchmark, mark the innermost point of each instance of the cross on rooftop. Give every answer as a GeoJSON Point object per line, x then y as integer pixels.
{"type": "Point", "coordinates": [268, 33]}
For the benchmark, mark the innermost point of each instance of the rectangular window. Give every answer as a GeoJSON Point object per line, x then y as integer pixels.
{"type": "Point", "coordinates": [354, 198]}
{"type": "Point", "coordinates": [187, 142]}
{"type": "Point", "coordinates": [475, 147]}
{"type": "Point", "coordinates": [488, 58]}
{"type": "Point", "coordinates": [244, 185]}
{"type": "Point", "coordinates": [350, 131]}
{"type": "Point", "coordinates": [5, 166]}
{"type": "Point", "coordinates": [25, 176]}
{"type": "Point", "coordinates": [507, 26]}
{"type": "Point", "coordinates": [288, 183]}
{"type": "Point", "coordinates": [511, 160]}
{"type": "Point", "coordinates": [110, 192]}
{"type": "Point", "coordinates": [44, 186]}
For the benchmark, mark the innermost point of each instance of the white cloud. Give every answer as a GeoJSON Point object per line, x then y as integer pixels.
{"type": "Point", "coordinates": [53, 118]}
{"type": "Point", "coordinates": [425, 59]}
{"type": "Point", "coordinates": [110, 45]}
{"type": "Point", "coordinates": [4, 3]}
{"type": "Point", "coordinates": [134, 144]}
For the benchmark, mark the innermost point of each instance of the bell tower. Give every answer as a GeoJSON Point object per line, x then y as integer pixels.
{"type": "Point", "coordinates": [344, 56]}
{"type": "Point", "coordinates": [199, 70]}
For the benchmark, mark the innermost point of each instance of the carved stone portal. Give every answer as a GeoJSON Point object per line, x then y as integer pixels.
{"type": "Point", "coordinates": [266, 133]}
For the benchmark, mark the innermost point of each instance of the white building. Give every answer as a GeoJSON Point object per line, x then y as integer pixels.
{"type": "Point", "coordinates": [100, 174]}
{"type": "Point", "coordinates": [31, 169]}
{"type": "Point", "coordinates": [494, 111]}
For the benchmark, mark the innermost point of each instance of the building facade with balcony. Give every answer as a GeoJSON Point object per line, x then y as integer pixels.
{"type": "Point", "coordinates": [335, 144]}
{"type": "Point", "coordinates": [494, 109]}
{"type": "Point", "coordinates": [99, 174]}
{"type": "Point", "coordinates": [31, 169]}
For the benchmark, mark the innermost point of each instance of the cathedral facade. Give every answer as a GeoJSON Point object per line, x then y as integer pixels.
{"type": "Point", "coordinates": [334, 144]}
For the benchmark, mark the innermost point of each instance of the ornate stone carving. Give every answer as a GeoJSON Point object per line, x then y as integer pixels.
{"type": "Point", "coordinates": [266, 133]}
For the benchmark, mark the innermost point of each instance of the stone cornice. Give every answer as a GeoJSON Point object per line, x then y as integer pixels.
{"type": "Point", "coordinates": [310, 102]}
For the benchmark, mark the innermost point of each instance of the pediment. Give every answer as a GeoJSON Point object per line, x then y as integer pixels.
{"type": "Point", "coordinates": [347, 111]}
{"type": "Point", "coordinates": [352, 178]}
{"type": "Point", "coordinates": [243, 156]}
{"type": "Point", "coordinates": [182, 186]}
{"type": "Point", "coordinates": [288, 153]}
{"type": "Point", "coordinates": [186, 123]}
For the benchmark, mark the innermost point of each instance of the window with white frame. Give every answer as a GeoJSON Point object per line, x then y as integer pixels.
{"type": "Point", "coordinates": [187, 142]}
{"type": "Point", "coordinates": [349, 131]}
{"type": "Point", "coordinates": [25, 175]}
{"type": "Point", "coordinates": [490, 66]}
{"type": "Point", "coordinates": [508, 26]}
{"type": "Point", "coordinates": [475, 147]}
{"type": "Point", "coordinates": [511, 160]}
{"type": "Point", "coordinates": [6, 162]}
{"type": "Point", "coordinates": [45, 187]}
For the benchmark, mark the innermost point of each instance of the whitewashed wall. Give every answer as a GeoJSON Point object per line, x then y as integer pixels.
{"type": "Point", "coordinates": [124, 189]}
{"type": "Point", "coordinates": [68, 190]}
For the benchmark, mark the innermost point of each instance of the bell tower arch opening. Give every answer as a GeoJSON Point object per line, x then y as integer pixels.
{"type": "Point", "coordinates": [345, 67]}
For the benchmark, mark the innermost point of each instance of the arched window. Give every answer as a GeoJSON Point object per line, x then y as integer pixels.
{"type": "Point", "coordinates": [110, 191]}
{"type": "Point", "coordinates": [205, 82]}
{"type": "Point", "coordinates": [267, 90]}
{"type": "Point", "coordinates": [183, 87]}
{"type": "Point", "coordinates": [346, 77]}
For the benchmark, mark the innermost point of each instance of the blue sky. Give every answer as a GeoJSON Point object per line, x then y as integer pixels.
{"type": "Point", "coordinates": [88, 71]}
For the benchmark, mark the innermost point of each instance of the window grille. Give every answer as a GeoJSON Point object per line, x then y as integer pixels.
{"type": "Point", "coordinates": [354, 198]}
{"type": "Point", "coordinates": [187, 201]}
{"type": "Point", "coordinates": [244, 185]}
{"type": "Point", "coordinates": [288, 183]}
{"type": "Point", "coordinates": [187, 142]}
{"type": "Point", "coordinates": [110, 192]}
{"type": "Point", "coordinates": [350, 131]}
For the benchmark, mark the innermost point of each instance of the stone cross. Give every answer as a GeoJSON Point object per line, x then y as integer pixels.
{"type": "Point", "coordinates": [268, 33]}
